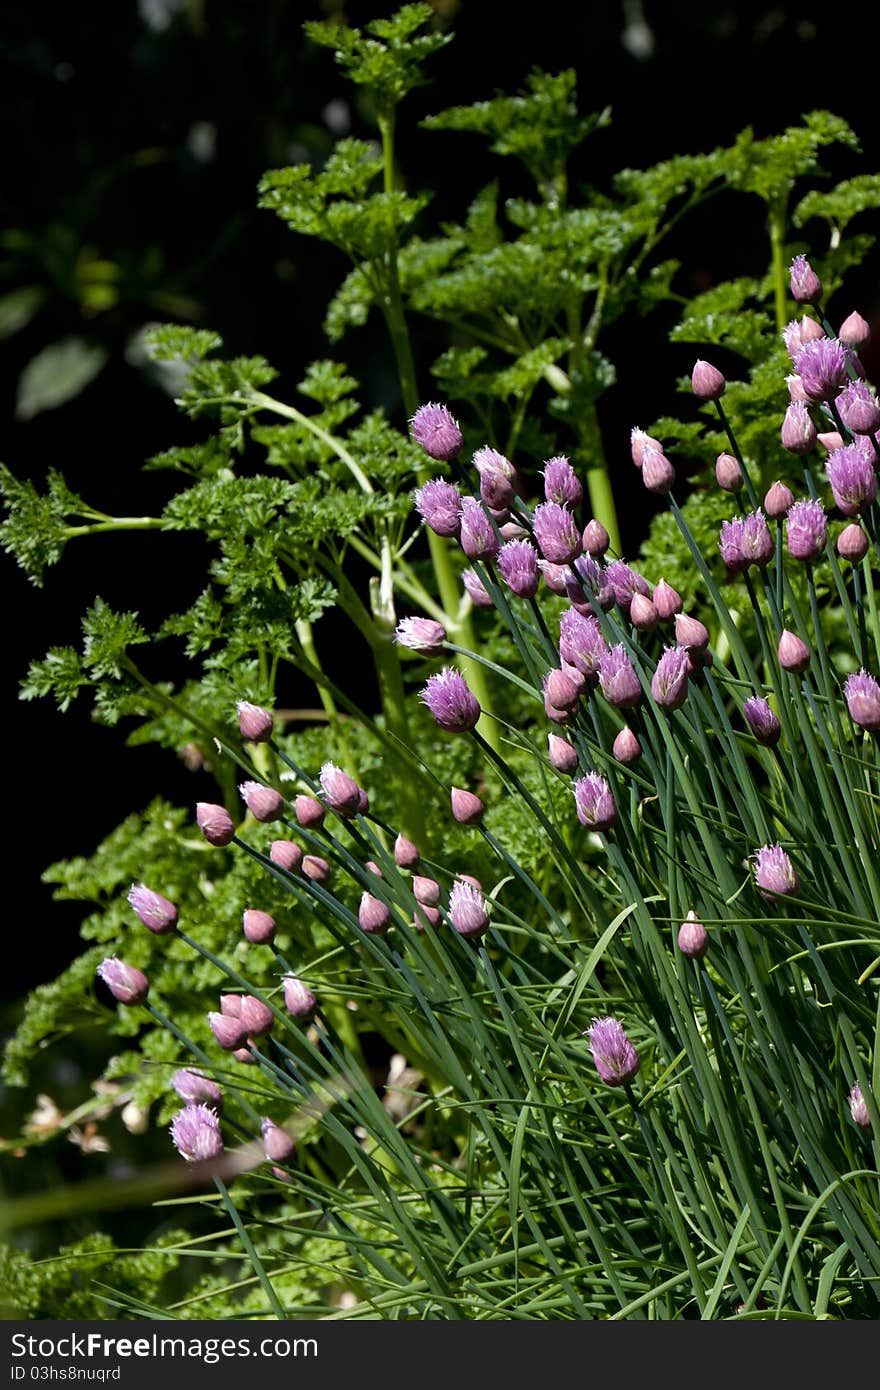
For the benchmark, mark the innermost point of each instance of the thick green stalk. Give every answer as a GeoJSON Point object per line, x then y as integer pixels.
{"type": "Point", "coordinates": [598, 479]}
{"type": "Point", "coordinates": [776, 227]}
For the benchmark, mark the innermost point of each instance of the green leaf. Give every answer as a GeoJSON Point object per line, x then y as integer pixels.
{"type": "Point", "coordinates": [386, 56]}
{"type": "Point", "coordinates": [57, 374]}
{"type": "Point", "coordinates": [842, 203]}
{"type": "Point", "coordinates": [18, 308]}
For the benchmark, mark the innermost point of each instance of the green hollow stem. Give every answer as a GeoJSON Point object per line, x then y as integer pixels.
{"type": "Point", "coordinates": [253, 1257]}
{"type": "Point", "coordinates": [409, 795]}
{"type": "Point", "coordinates": [776, 229]}
{"type": "Point", "coordinates": [599, 487]}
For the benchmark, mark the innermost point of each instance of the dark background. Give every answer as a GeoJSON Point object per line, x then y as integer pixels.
{"type": "Point", "coordinates": [140, 130]}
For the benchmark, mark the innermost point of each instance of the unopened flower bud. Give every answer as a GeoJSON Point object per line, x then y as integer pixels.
{"type": "Point", "coordinates": [426, 890]}
{"type": "Point", "coordinates": [639, 442]}
{"type": "Point", "coordinates": [245, 1056]}
{"type": "Point", "coordinates": [561, 691]}
{"type": "Point", "coordinates": [258, 927]}
{"type": "Point", "coordinates": [794, 655]}
{"type": "Point", "coordinates": [315, 868]}
{"type": "Point", "coordinates": [691, 633]}
{"type": "Point", "coordinates": [806, 531]}
{"type": "Point", "coordinates": [479, 539]}
{"type": "Point", "coordinates": [561, 483]}
{"type": "Point", "coordinates": [642, 613]}
{"type": "Point", "coordinates": [594, 802]}
{"type": "Point", "coordinates": [286, 854]}
{"type": "Point", "coordinates": [126, 983]}
{"type": "Point", "coordinates": [374, 915]}
{"type": "Point", "coordinates": [229, 1032]}
{"type": "Point", "coordinates": [798, 433]}
{"type": "Point", "coordinates": [277, 1143]}
{"type": "Point", "coordinates": [761, 720]}
{"type": "Point", "coordinates": [195, 1088]}
{"type": "Point", "coordinates": [806, 287]}
{"type": "Point", "coordinates": [852, 543]}
{"type": "Point", "coordinates": [425, 916]}
{"type": "Point", "coordinates": [614, 1056]}
{"type": "Point", "coordinates": [438, 503]}
{"type": "Point", "coordinates": [309, 812]}
{"type": "Point", "coordinates": [858, 1107]}
{"type": "Point", "coordinates": [214, 822]}
{"type": "Point", "coordinates": [618, 679]}
{"type": "Point", "coordinates": [421, 635]}
{"type": "Point", "coordinates": [230, 1005]}
{"type": "Point", "coordinates": [693, 939]}
{"type": "Point", "coordinates": [406, 854]}
{"type": "Point", "coordinates": [862, 695]}
{"type": "Point", "coordinates": [561, 753]}
{"type": "Point", "coordinates": [467, 909]}
{"type": "Point", "coordinates": [341, 792]}
{"type": "Point", "coordinates": [728, 474]}
{"type": "Point", "coordinates": [831, 440]}
{"type": "Point", "coordinates": [256, 1016]}
{"type": "Point", "coordinates": [707, 382]}
{"type": "Point", "coordinates": [466, 807]}
{"type": "Point", "coordinates": [156, 912]}
{"type": "Point", "coordinates": [669, 683]}
{"type": "Point", "coordinates": [658, 474]}
{"type": "Point", "coordinates": [299, 1000]}
{"type": "Point", "coordinates": [858, 408]}
{"type": "Point", "coordinates": [476, 589]}
{"type": "Point", "coordinates": [854, 332]}
{"type": "Point", "coordinates": [666, 601]}
{"type": "Point", "coordinates": [264, 803]}
{"type": "Point", "coordinates": [254, 722]}
{"type": "Point", "coordinates": [555, 577]}
{"type": "Point", "coordinates": [626, 747]}
{"type": "Point", "coordinates": [595, 539]}
{"type": "Point", "coordinates": [496, 490]}
{"type": "Point", "coordinates": [438, 432]}
{"type": "Point", "coordinates": [777, 500]}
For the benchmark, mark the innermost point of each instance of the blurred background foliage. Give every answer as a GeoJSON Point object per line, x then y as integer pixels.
{"type": "Point", "coordinates": [138, 134]}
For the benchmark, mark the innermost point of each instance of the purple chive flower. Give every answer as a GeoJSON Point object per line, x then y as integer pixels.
{"type": "Point", "coordinates": [852, 543]}
{"type": "Point", "coordinates": [374, 916]}
{"type": "Point", "coordinates": [594, 803]}
{"type": "Point", "coordinates": [195, 1132]}
{"type": "Point", "coordinates": [796, 390]}
{"type": "Point", "coordinates": [806, 287]}
{"type": "Point", "coordinates": [691, 633]}
{"type": "Point", "coordinates": [476, 589]}
{"type": "Point", "coordinates": [264, 803]}
{"type": "Point", "coordinates": [420, 635]}
{"type": "Point", "coordinates": [254, 722]}
{"type": "Point", "coordinates": [707, 383]}
{"type": "Point", "coordinates": [800, 332]}
{"type": "Point", "coordinates": [756, 543]}
{"type": "Point", "coordinates": [258, 927]}
{"type": "Point", "coordinates": [625, 582]}
{"type": "Point", "coordinates": [156, 912]}
{"type": "Point", "coordinates": [277, 1143]}
{"type": "Point", "coordinates": [437, 431]}
{"type": "Point", "coordinates": [561, 483]}
{"type": "Point", "coordinates": [214, 822]}
{"type": "Point", "coordinates": [728, 474]}
{"type": "Point", "coordinates": [195, 1088]}
{"type": "Point", "coordinates": [614, 1056]}
{"type": "Point", "coordinates": [299, 1000]}
{"type": "Point", "coordinates": [586, 574]}
{"type": "Point", "coordinates": [805, 530]}
{"type": "Point", "coordinates": [774, 874]}
{"type": "Point", "coordinates": [794, 655]}
{"type": "Point", "coordinates": [777, 500]}
{"type": "Point", "coordinates": [467, 909]}
{"type": "Point", "coordinates": [556, 532]}
{"type": "Point", "coordinates": [438, 503]}
{"type": "Point", "coordinates": [488, 460]}
{"type": "Point", "coordinates": [406, 854]}
{"type": "Point", "coordinates": [639, 442]}
{"type": "Point", "coordinates": [479, 540]}
{"type": "Point", "coordinates": [467, 808]}
{"type": "Point", "coordinates": [831, 440]}
{"type": "Point", "coordinates": [858, 408]}
{"type": "Point", "coordinates": [560, 689]}
{"type": "Point", "coordinates": [581, 643]}
{"type": "Point", "coordinates": [862, 695]}
{"type": "Point", "coordinates": [563, 756]}
{"type": "Point", "coordinates": [666, 601]}
{"type": "Point", "coordinates": [853, 481]}
{"type": "Point", "coordinates": [642, 613]}
{"type": "Point", "coordinates": [126, 983]}
{"type": "Point", "coordinates": [798, 433]}
{"type": "Point", "coordinates": [658, 474]}
{"type": "Point", "coordinates": [315, 868]}
{"type": "Point", "coordinates": [821, 366]}
{"type": "Point", "coordinates": [761, 720]}
{"type": "Point", "coordinates": [518, 567]}
{"type": "Point", "coordinates": [669, 684]}
{"type": "Point", "coordinates": [230, 1033]}
{"type": "Point", "coordinates": [730, 545]}
{"type": "Point", "coordinates": [854, 332]}
{"type": "Point", "coordinates": [693, 939]}
{"type": "Point", "coordinates": [341, 792]}
{"type": "Point", "coordinates": [309, 812]}
{"type": "Point", "coordinates": [555, 577]}
{"type": "Point", "coordinates": [618, 679]}
{"type": "Point", "coordinates": [450, 701]}
{"type": "Point", "coordinates": [595, 539]}
{"type": "Point", "coordinates": [496, 489]}
{"type": "Point", "coordinates": [858, 1107]}
{"type": "Point", "coordinates": [626, 748]}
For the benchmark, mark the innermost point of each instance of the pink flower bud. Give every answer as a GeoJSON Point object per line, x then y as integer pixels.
{"type": "Point", "coordinates": [669, 684]}
{"type": "Point", "coordinates": [476, 589]}
{"type": "Point", "coordinates": [421, 635]}
{"type": "Point", "coordinates": [762, 721]}
{"type": "Point", "coordinates": [341, 792]}
{"type": "Point", "coordinates": [406, 854]}
{"type": "Point", "coordinates": [230, 1005]}
{"type": "Point", "coordinates": [596, 539]}
{"type": "Point", "coordinates": [666, 601]}
{"type": "Point", "coordinates": [858, 1107]}
{"type": "Point", "coordinates": [642, 613]}
{"type": "Point", "coordinates": [214, 822]}
{"type": "Point", "coordinates": [693, 939]}
{"type": "Point", "coordinates": [254, 722]}
{"type": "Point", "coordinates": [796, 392]}
{"type": "Point", "coordinates": [618, 679]}
{"type": "Point", "coordinates": [479, 540]}
{"type": "Point", "coordinates": [426, 890]}
{"type": "Point", "coordinates": [286, 854]}
{"type": "Point", "coordinates": [854, 332]}
{"type": "Point", "coordinates": [374, 868]}
{"type": "Point", "coordinates": [495, 489]}
{"type": "Point", "coordinates": [561, 753]}
{"type": "Point", "coordinates": [862, 695]}
{"type": "Point", "coordinates": [156, 912]}
{"type": "Point", "coordinates": [195, 1088]}
{"type": "Point", "coordinates": [438, 503]}
{"type": "Point", "coordinates": [728, 474]}
{"type": "Point", "coordinates": [277, 1143]}
{"type": "Point", "coordinates": [658, 474]}
{"type": "Point", "coordinates": [426, 917]}
{"type": "Point", "coordinates": [466, 807]}
{"type": "Point", "coordinates": [793, 654]}
{"type": "Point", "coordinates": [852, 543]}
{"type": "Point", "coordinates": [594, 802]}
{"type": "Point", "coordinates": [309, 812]}
{"type": "Point", "coordinates": [615, 1058]}
{"type": "Point", "coordinates": [798, 433]}
{"type": "Point", "coordinates": [264, 803]}
{"type": "Point", "coordinates": [561, 691]}
{"type": "Point", "coordinates": [126, 983]}
{"type": "Point", "coordinates": [859, 408]}
{"type": "Point", "coordinates": [229, 1033]}
{"type": "Point", "coordinates": [467, 909]}
{"type": "Point", "coordinates": [315, 868]}
{"type": "Point", "coordinates": [245, 1056]}
{"type": "Point", "coordinates": [707, 382]}
{"type": "Point", "coordinates": [806, 287]}
{"type": "Point", "coordinates": [639, 441]}
{"type": "Point", "coordinates": [561, 483]}
{"type": "Point", "coordinates": [555, 577]}
{"type": "Point", "coordinates": [256, 1016]}
{"type": "Point", "coordinates": [626, 747]}
{"type": "Point", "coordinates": [777, 500]}
{"type": "Point", "coordinates": [373, 915]}
{"type": "Point", "coordinates": [437, 431]}
{"type": "Point", "coordinates": [831, 440]}
{"type": "Point", "coordinates": [691, 633]}
{"type": "Point", "coordinates": [258, 927]}
{"type": "Point", "coordinates": [299, 1000]}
